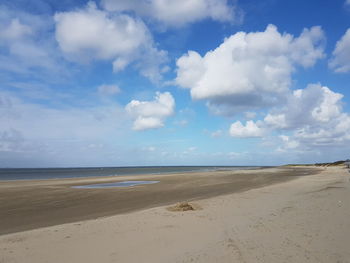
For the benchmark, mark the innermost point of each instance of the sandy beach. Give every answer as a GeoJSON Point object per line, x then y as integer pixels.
{"type": "Point", "coordinates": [272, 215]}
{"type": "Point", "coordinates": [28, 205]}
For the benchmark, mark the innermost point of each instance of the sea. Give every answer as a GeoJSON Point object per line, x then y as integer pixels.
{"type": "Point", "coordinates": [59, 173]}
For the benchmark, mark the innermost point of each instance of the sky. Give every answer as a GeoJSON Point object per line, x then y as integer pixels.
{"type": "Point", "coordinates": [165, 82]}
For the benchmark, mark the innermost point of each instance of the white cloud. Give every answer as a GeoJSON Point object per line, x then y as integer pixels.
{"type": "Point", "coordinates": [43, 122]}
{"type": "Point", "coordinates": [15, 31]}
{"type": "Point", "coordinates": [329, 106]}
{"type": "Point", "coordinates": [311, 118]}
{"type": "Point", "coordinates": [88, 34]}
{"type": "Point", "coordinates": [311, 106]}
{"type": "Point", "coordinates": [178, 13]}
{"type": "Point", "coordinates": [108, 90]}
{"type": "Point", "coordinates": [276, 120]}
{"type": "Point", "coordinates": [314, 118]}
{"type": "Point", "coordinates": [331, 134]}
{"type": "Point", "coordinates": [347, 2]}
{"type": "Point", "coordinates": [340, 61]}
{"type": "Point", "coordinates": [37, 134]}
{"type": "Point", "coordinates": [151, 114]}
{"type": "Point", "coordinates": [288, 143]}
{"type": "Point", "coordinates": [146, 123]}
{"type": "Point", "coordinates": [248, 70]}
{"type": "Point", "coordinates": [26, 45]}
{"type": "Point", "coordinates": [249, 130]}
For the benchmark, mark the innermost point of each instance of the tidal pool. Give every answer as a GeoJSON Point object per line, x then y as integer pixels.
{"type": "Point", "coordinates": [116, 184]}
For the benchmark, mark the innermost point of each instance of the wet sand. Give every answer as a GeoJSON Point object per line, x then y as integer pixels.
{"type": "Point", "coordinates": [26, 205]}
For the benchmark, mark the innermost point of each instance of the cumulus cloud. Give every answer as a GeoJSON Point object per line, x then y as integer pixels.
{"type": "Point", "coordinates": [151, 114]}
{"type": "Point", "coordinates": [178, 13]}
{"type": "Point", "coordinates": [313, 106]}
{"type": "Point", "coordinates": [313, 117]}
{"type": "Point", "coordinates": [340, 61]}
{"type": "Point", "coordinates": [248, 70]}
{"type": "Point", "coordinates": [92, 34]}
{"type": "Point", "coordinates": [331, 135]}
{"type": "Point", "coordinates": [250, 130]}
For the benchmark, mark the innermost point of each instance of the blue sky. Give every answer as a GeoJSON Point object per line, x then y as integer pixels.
{"type": "Point", "coordinates": [163, 82]}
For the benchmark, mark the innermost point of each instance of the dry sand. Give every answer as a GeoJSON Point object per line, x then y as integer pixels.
{"type": "Point", "coordinates": [301, 220]}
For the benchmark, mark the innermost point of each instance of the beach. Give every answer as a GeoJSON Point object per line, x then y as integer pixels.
{"type": "Point", "coordinates": [286, 214]}
{"type": "Point", "coordinates": [30, 204]}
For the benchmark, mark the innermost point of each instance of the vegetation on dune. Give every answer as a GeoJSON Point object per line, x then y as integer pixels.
{"type": "Point", "coordinates": [336, 163]}
{"type": "Point", "coordinates": [331, 164]}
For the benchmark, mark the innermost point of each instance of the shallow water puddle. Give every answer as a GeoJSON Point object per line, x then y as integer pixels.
{"type": "Point", "coordinates": [116, 184]}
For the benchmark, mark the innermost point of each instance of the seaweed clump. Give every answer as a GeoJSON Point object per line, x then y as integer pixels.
{"type": "Point", "coordinates": [182, 207]}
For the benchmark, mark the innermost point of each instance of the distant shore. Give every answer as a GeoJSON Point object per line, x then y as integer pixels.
{"type": "Point", "coordinates": [33, 204]}
{"type": "Point", "coordinates": [9, 174]}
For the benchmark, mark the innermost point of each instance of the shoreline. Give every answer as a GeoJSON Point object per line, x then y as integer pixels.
{"type": "Point", "coordinates": [27, 205]}
{"type": "Point", "coordinates": [140, 173]}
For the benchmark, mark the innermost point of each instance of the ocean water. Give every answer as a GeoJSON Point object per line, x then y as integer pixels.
{"type": "Point", "coordinates": [116, 184]}
{"type": "Point", "coordinates": [57, 173]}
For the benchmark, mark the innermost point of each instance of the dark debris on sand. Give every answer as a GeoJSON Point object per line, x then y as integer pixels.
{"type": "Point", "coordinates": [183, 206]}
